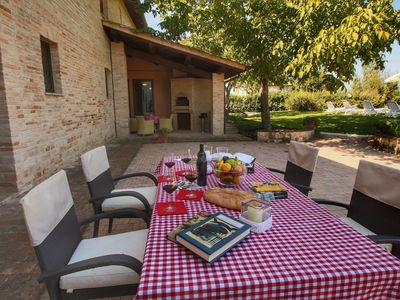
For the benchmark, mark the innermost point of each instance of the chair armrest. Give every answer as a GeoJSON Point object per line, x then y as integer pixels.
{"type": "Point", "coordinates": [130, 212]}
{"type": "Point", "coordinates": [125, 193]}
{"type": "Point", "coordinates": [137, 174]}
{"type": "Point", "coordinates": [300, 186]}
{"type": "Point", "coordinates": [383, 239]}
{"type": "Point", "coordinates": [95, 262]}
{"type": "Point", "coordinates": [330, 202]}
{"type": "Point", "coordinates": [276, 170]}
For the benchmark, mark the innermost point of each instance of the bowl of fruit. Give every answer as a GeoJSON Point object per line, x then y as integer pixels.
{"type": "Point", "coordinates": [229, 171]}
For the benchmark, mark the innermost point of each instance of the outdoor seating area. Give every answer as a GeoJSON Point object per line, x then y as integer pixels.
{"type": "Point", "coordinates": [199, 150]}
{"type": "Point", "coordinates": [392, 109]}
{"type": "Point", "coordinates": [120, 264]}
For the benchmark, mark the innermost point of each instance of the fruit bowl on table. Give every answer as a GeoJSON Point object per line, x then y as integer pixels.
{"type": "Point", "coordinates": [229, 172]}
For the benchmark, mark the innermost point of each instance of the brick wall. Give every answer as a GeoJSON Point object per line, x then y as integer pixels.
{"type": "Point", "coordinates": [49, 131]}
{"type": "Point", "coordinates": [218, 104]}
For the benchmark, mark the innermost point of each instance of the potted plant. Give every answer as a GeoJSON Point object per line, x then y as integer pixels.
{"type": "Point", "coordinates": [310, 123]}
{"type": "Point", "coordinates": [163, 134]}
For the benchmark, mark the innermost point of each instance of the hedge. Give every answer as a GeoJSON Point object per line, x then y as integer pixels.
{"type": "Point", "coordinates": [243, 103]}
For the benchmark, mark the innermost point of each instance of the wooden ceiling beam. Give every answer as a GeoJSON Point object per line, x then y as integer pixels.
{"type": "Point", "coordinates": [169, 63]}
{"type": "Point", "coordinates": [152, 48]}
{"type": "Point", "coordinates": [188, 60]}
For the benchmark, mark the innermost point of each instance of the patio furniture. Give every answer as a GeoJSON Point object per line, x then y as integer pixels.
{"type": "Point", "coordinates": [348, 108]}
{"type": "Point", "coordinates": [394, 109]}
{"type": "Point", "coordinates": [332, 108]}
{"type": "Point", "coordinates": [374, 209]}
{"type": "Point", "coordinates": [73, 267]}
{"type": "Point", "coordinates": [369, 109]}
{"type": "Point", "coordinates": [154, 118]}
{"type": "Point", "coordinates": [133, 124]}
{"type": "Point", "coordinates": [308, 253]}
{"type": "Point", "coordinates": [145, 127]}
{"type": "Point", "coordinates": [166, 123]}
{"type": "Point", "coordinates": [105, 197]}
{"type": "Point", "coordinates": [300, 166]}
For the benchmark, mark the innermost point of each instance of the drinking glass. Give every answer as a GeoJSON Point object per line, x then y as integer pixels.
{"type": "Point", "coordinates": [170, 185]}
{"type": "Point", "coordinates": [191, 175]}
{"type": "Point", "coordinates": [186, 158]}
{"type": "Point", "coordinates": [208, 150]}
{"type": "Point", "coordinates": [222, 149]}
{"type": "Point", "coordinates": [170, 161]}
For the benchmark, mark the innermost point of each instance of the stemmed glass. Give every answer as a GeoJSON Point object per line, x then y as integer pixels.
{"type": "Point", "coordinates": [170, 161]}
{"type": "Point", "coordinates": [170, 185]}
{"type": "Point", "coordinates": [191, 175]}
{"type": "Point", "coordinates": [208, 150]}
{"type": "Point", "coordinates": [187, 158]}
{"type": "Point", "coordinates": [221, 149]}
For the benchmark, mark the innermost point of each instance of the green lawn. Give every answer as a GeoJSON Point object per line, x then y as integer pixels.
{"type": "Point", "coordinates": [337, 123]}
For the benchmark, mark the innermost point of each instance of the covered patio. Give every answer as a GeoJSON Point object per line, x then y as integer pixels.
{"type": "Point", "coordinates": [168, 80]}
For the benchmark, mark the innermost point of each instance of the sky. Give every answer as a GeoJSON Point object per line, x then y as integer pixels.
{"type": "Point", "coordinates": [392, 65]}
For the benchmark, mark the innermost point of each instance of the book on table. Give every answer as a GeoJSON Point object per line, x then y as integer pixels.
{"type": "Point", "coordinates": [270, 190]}
{"type": "Point", "coordinates": [171, 236]}
{"type": "Point", "coordinates": [212, 237]}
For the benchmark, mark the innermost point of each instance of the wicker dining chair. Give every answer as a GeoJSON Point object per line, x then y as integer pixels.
{"type": "Point", "coordinates": [374, 209]}
{"type": "Point", "coordinates": [300, 166]}
{"type": "Point", "coordinates": [105, 197]}
{"type": "Point", "coordinates": [73, 267]}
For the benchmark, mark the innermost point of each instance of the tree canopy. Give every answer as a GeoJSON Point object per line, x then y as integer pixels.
{"type": "Point", "coordinates": [284, 40]}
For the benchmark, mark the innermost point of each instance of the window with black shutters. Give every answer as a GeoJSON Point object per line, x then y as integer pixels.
{"type": "Point", "coordinates": [47, 67]}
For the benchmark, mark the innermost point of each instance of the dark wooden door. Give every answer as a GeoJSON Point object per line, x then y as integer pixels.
{"type": "Point", "coordinates": [183, 121]}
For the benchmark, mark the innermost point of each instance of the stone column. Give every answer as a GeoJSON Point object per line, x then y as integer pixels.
{"type": "Point", "coordinates": [218, 104]}
{"type": "Point", "coordinates": [120, 88]}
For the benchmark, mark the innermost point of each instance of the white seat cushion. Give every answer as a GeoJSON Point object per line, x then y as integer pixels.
{"type": "Point", "coordinates": [364, 231]}
{"type": "Point", "coordinates": [129, 243]}
{"type": "Point", "coordinates": [130, 202]}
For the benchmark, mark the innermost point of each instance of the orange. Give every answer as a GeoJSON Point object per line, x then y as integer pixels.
{"type": "Point", "coordinates": [236, 179]}
{"type": "Point", "coordinates": [226, 167]}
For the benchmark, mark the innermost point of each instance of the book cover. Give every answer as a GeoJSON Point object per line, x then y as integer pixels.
{"type": "Point", "coordinates": [192, 221]}
{"type": "Point", "coordinates": [213, 236]}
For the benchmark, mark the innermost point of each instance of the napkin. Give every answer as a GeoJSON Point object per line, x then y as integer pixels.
{"type": "Point", "coordinates": [171, 208]}
{"type": "Point", "coordinates": [162, 178]}
{"type": "Point", "coordinates": [192, 195]}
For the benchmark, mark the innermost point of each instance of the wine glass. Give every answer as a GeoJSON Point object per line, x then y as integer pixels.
{"type": "Point", "coordinates": [170, 161]}
{"type": "Point", "coordinates": [186, 158]}
{"type": "Point", "coordinates": [170, 185]}
{"type": "Point", "coordinates": [222, 149]}
{"type": "Point", "coordinates": [191, 175]}
{"type": "Point", "coordinates": [208, 150]}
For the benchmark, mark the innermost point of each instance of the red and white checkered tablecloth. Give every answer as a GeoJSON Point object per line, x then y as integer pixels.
{"type": "Point", "coordinates": [307, 254]}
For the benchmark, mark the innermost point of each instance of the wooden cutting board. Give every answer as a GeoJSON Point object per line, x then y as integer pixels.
{"type": "Point", "coordinates": [228, 198]}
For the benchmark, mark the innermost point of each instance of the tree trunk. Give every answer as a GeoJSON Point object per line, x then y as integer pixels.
{"type": "Point", "coordinates": [265, 115]}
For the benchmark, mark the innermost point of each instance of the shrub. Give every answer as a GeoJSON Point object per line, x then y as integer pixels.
{"type": "Point", "coordinates": [277, 101]}
{"type": "Point", "coordinates": [242, 103]}
{"type": "Point", "coordinates": [389, 127]}
{"type": "Point", "coordinates": [310, 122]}
{"type": "Point", "coordinates": [304, 101]}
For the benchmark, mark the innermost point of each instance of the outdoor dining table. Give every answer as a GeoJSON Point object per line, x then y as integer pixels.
{"type": "Point", "coordinates": [307, 254]}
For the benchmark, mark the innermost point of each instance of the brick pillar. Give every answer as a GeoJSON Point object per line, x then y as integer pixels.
{"type": "Point", "coordinates": [120, 88]}
{"type": "Point", "coordinates": [218, 104]}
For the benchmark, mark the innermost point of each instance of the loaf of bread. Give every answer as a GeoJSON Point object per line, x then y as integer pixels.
{"type": "Point", "coordinates": [228, 198]}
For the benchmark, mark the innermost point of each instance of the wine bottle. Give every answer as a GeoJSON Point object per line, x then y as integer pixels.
{"type": "Point", "coordinates": [201, 167]}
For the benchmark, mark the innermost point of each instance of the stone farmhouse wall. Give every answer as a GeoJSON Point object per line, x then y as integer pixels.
{"type": "Point", "coordinates": [43, 132]}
